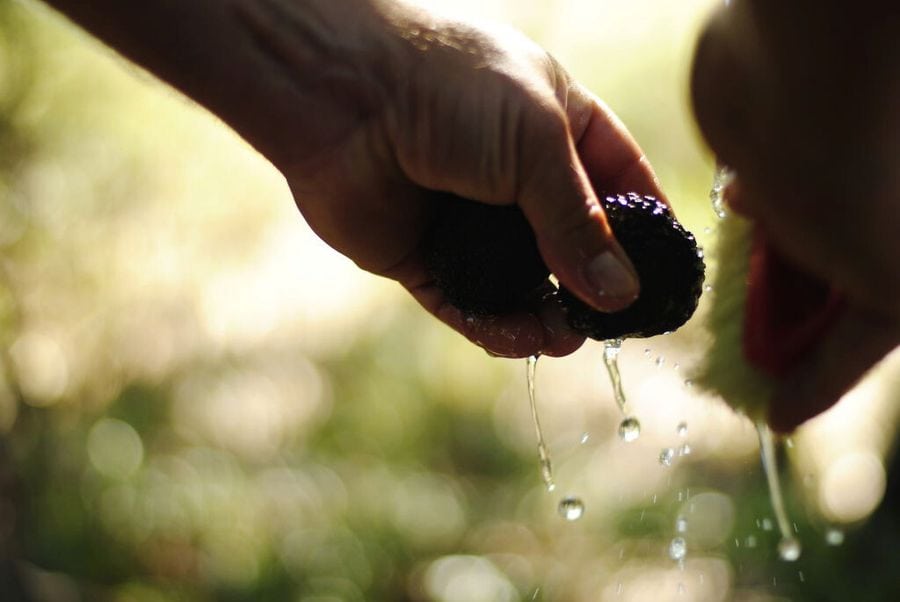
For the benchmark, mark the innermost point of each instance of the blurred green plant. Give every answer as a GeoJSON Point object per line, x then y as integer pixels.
{"type": "Point", "coordinates": [158, 444]}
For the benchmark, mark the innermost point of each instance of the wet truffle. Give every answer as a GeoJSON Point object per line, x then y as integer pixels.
{"type": "Point", "coordinates": [669, 265]}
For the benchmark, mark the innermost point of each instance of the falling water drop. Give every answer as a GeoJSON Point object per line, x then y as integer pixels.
{"type": "Point", "coordinates": [789, 549]}
{"type": "Point", "coordinates": [834, 537]}
{"type": "Point", "coordinates": [666, 456]}
{"type": "Point", "coordinates": [571, 508]}
{"type": "Point", "coordinates": [629, 429]}
{"type": "Point", "coordinates": [543, 452]}
{"type": "Point", "coordinates": [677, 548]}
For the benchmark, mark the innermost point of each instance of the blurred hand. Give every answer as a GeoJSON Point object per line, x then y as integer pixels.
{"type": "Point", "coordinates": [802, 100]}
{"type": "Point", "coordinates": [480, 112]}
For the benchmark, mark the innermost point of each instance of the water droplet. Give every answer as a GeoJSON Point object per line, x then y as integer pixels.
{"type": "Point", "coordinates": [619, 588]}
{"type": "Point", "coordinates": [535, 594]}
{"type": "Point", "coordinates": [681, 524]}
{"type": "Point", "coordinates": [585, 437]}
{"type": "Point", "coordinates": [681, 589]}
{"type": "Point", "coordinates": [737, 542]}
{"type": "Point", "coordinates": [677, 548]}
{"type": "Point", "coordinates": [666, 456]}
{"type": "Point", "coordinates": [681, 429]}
{"type": "Point", "coordinates": [789, 443]}
{"type": "Point", "coordinates": [801, 576]}
{"type": "Point", "coordinates": [702, 578]}
{"type": "Point", "coordinates": [767, 524]}
{"type": "Point", "coordinates": [629, 429]}
{"type": "Point", "coordinates": [684, 450]}
{"type": "Point", "coordinates": [789, 549]}
{"type": "Point", "coordinates": [676, 366]}
{"type": "Point", "coordinates": [660, 361]}
{"type": "Point", "coordinates": [653, 499]}
{"type": "Point", "coordinates": [688, 383]}
{"type": "Point", "coordinates": [707, 288]}
{"type": "Point", "coordinates": [571, 508]}
{"type": "Point", "coordinates": [750, 542]}
{"type": "Point", "coordinates": [834, 537]}
{"type": "Point", "coordinates": [700, 252]}
{"type": "Point", "coordinates": [647, 352]}
{"type": "Point", "coordinates": [707, 230]}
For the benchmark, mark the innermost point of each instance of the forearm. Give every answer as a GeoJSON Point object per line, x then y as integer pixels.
{"type": "Point", "coordinates": [289, 102]}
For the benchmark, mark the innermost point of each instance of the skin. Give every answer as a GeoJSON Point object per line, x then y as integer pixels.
{"type": "Point", "coordinates": [801, 100]}
{"type": "Point", "coordinates": [368, 106]}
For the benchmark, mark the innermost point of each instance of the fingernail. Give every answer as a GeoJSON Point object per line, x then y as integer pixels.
{"type": "Point", "coordinates": [611, 278]}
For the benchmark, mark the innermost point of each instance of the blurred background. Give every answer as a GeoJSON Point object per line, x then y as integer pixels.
{"type": "Point", "coordinates": [201, 401]}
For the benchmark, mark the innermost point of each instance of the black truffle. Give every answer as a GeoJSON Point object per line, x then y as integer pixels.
{"type": "Point", "coordinates": [669, 265]}
{"type": "Point", "coordinates": [483, 257]}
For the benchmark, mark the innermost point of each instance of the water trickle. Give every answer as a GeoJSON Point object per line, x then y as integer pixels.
{"type": "Point", "coordinates": [571, 508]}
{"type": "Point", "coordinates": [666, 455]}
{"type": "Point", "coordinates": [630, 427]}
{"type": "Point", "coordinates": [789, 547]}
{"type": "Point", "coordinates": [611, 350]}
{"type": "Point", "coordinates": [543, 452]}
{"type": "Point", "coordinates": [681, 429]}
{"type": "Point", "coordinates": [716, 195]}
{"type": "Point", "coordinates": [677, 548]}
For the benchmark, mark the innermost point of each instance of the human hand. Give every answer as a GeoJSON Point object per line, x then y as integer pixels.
{"type": "Point", "coordinates": [481, 112]}
{"type": "Point", "coordinates": [800, 100]}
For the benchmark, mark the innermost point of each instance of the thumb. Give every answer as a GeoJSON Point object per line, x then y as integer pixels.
{"type": "Point", "coordinates": [572, 234]}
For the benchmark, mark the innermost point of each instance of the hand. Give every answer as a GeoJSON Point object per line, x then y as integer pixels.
{"type": "Point", "coordinates": [800, 99]}
{"type": "Point", "coordinates": [483, 113]}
